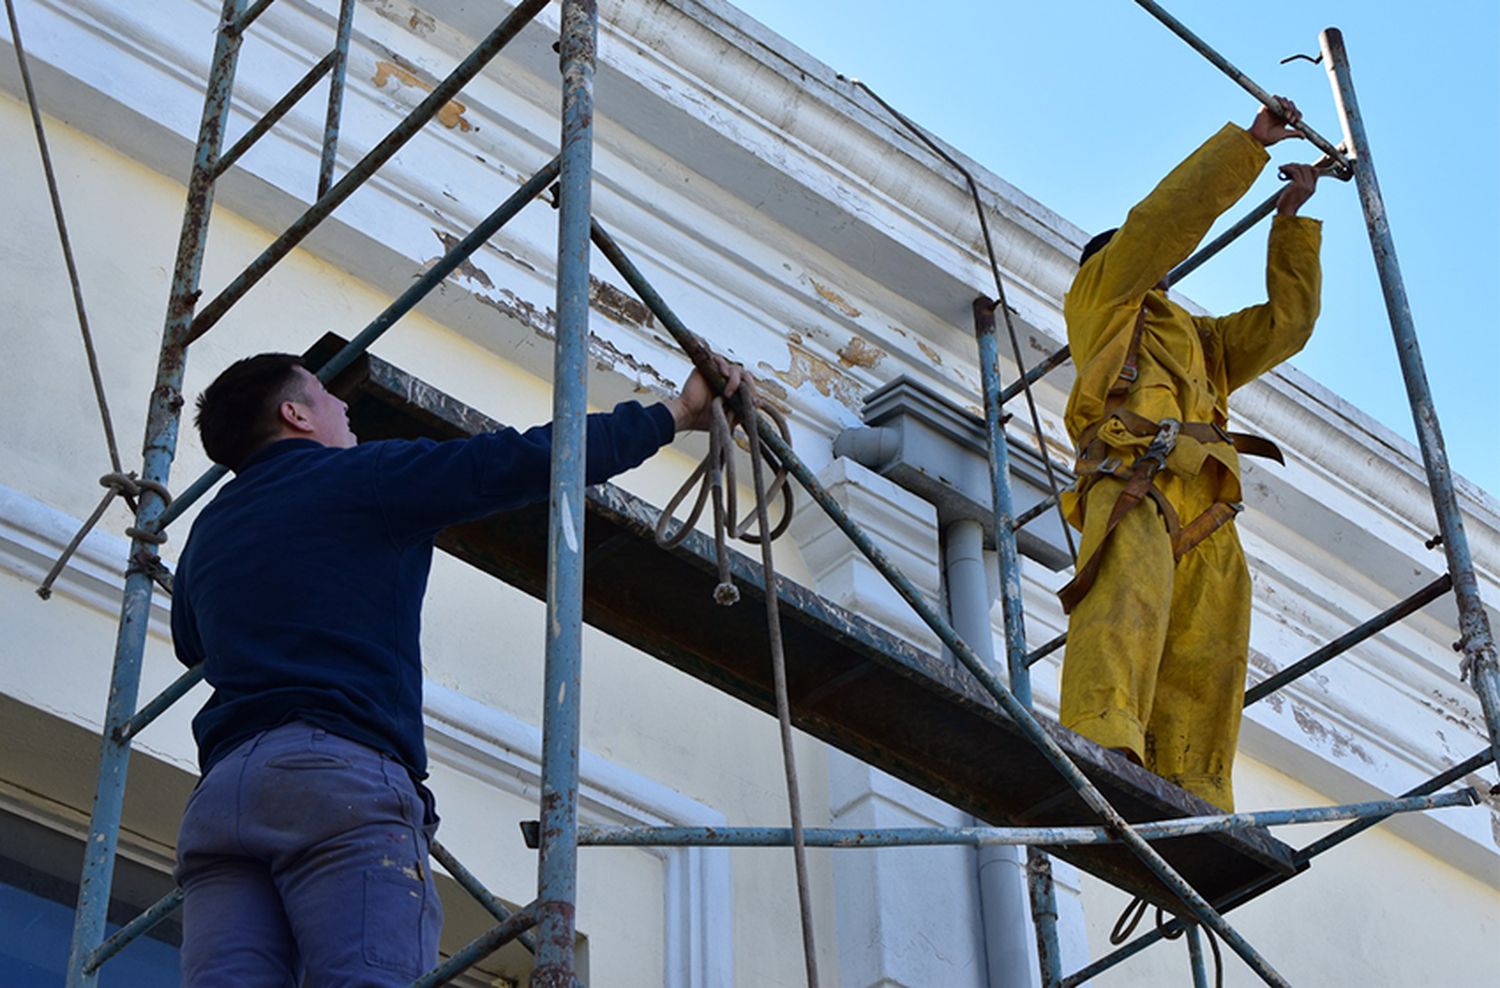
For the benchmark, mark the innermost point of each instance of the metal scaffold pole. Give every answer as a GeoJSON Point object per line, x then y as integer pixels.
{"type": "Point", "coordinates": [1041, 891]}
{"type": "Point", "coordinates": [557, 868]}
{"type": "Point", "coordinates": [1475, 639]}
{"type": "Point", "coordinates": [159, 446]}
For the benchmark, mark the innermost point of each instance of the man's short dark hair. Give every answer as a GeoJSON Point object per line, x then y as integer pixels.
{"type": "Point", "coordinates": [237, 413]}
{"type": "Point", "coordinates": [1095, 245]}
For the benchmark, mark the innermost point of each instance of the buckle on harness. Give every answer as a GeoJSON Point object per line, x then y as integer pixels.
{"type": "Point", "coordinates": [1162, 444]}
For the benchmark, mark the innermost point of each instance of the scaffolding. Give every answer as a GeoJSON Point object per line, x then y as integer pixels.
{"type": "Point", "coordinates": [546, 925]}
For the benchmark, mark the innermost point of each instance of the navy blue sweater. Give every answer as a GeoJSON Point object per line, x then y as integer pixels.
{"type": "Point", "coordinates": [300, 587]}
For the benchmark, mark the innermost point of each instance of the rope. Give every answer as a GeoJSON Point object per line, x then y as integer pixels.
{"type": "Point", "coordinates": [128, 486]}
{"type": "Point", "coordinates": [715, 483]}
{"type": "Point", "coordinates": [1136, 911]}
{"type": "Point", "coordinates": [1010, 328]}
{"type": "Point", "coordinates": [714, 479]}
{"type": "Point", "coordinates": [67, 245]}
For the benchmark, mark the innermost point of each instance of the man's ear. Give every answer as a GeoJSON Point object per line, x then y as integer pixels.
{"type": "Point", "coordinates": [290, 416]}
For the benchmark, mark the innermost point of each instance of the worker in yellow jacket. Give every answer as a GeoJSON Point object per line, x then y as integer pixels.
{"type": "Point", "coordinates": [1160, 607]}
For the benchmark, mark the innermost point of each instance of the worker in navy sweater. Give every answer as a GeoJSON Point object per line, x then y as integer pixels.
{"type": "Point", "coordinates": [303, 852]}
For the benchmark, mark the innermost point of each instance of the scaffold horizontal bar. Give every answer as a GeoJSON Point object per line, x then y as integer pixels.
{"type": "Point", "coordinates": [600, 836]}
{"type": "Point", "coordinates": [1033, 513]}
{"type": "Point", "coordinates": [1042, 651]}
{"type": "Point", "coordinates": [1245, 82]}
{"type": "Point", "coordinates": [273, 116]}
{"type": "Point", "coordinates": [480, 948]}
{"type": "Point", "coordinates": [1035, 374]}
{"type": "Point", "coordinates": [1346, 641]}
{"type": "Point", "coordinates": [382, 152]}
{"type": "Point", "coordinates": [1347, 832]}
{"type": "Point", "coordinates": [1205, 253]}
{"type": "Point", "coordinates": [471, 884]}
{"type": "Point", "coordinates": [163, 908]}
{"type": "Point", "coordinates": [179, 688]}
{"type": "Point", "coordinates": [1469, 765]}
{"type": "Point", "coordinates": [404, 303]}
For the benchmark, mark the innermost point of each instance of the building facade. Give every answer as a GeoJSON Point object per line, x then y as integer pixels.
{"type": "Point", "coordinates": [790, 221]}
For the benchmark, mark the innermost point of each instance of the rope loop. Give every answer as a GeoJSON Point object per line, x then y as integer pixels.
{"type": "Point", "coordinates": [116, 483]}
{"type": "Point", "coordinates": [713, 483]}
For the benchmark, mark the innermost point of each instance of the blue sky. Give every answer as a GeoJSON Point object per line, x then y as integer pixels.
{"type": "Point", "coordinates": [1085, 104]}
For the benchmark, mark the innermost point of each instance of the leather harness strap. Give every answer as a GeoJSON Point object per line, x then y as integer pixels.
{"type": "Point", "coordinates": [1137, 488]}
{"type": "Point", "coordinates": [1204, 432]}
{"type": "Point", "coordinates": [1095, 460]}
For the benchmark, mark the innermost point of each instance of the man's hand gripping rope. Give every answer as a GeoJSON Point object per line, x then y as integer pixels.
{"type": "Point", "coordinates": [698, 407]}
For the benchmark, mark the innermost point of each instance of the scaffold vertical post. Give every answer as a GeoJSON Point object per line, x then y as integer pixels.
{"type": "Point", "coordinates": [1475, 638]}
{"type": "Point", "coordinates": [1040, 889]}
{"type": "Point", "coordinates": [557, 868]}
{"type": "Point", "coordinates": [158, 449]}
{"type": "Point", "coordinates": [1195, 956]}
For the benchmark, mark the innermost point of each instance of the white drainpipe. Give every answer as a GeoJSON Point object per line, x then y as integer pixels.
{"type": "Point", "coordinates": [1010, 944]}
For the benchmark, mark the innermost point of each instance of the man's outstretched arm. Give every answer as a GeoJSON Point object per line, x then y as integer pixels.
{"type": "Point", "coordinates": [424, 486]}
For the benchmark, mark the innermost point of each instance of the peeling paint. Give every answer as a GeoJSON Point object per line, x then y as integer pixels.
{"type": "Point", "coordinates": [615, 356]}
{"type": "Point", "coordinates": [1338, 745]}
{"type": "Point", "coordinates": [467, 268]}
{"type": "Point", "coordinates": [606, 356]}
{"type": "Point", "coordinates": [930, 353]}
{"type": "Point", "coordinates": [834, 299]}
{"type": "Point", "coordinates": [539, 321]}
{"type": "Point", "coordinates": [618, 306]}
{"type": "Point", "coordinates": [830, 381]}
{"type": "Point", "coordinates": [452, 113]}
{"type": "Point", "coordinates": [858, 353]}
{"type": "Point", "coordinates": [514, 258]}
{"type": "Point", "coordinates": [416, 21]}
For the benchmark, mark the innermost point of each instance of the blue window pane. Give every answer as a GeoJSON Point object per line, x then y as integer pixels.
{"type": "Point", "coordinates": [34, 936]}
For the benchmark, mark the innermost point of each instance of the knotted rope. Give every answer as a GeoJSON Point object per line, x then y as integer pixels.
{"type": "Point", "coordinates": [129, 486]}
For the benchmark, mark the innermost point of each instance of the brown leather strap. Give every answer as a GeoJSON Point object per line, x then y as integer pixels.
{"type": "Point", "coordinates": [1136, 489]}
{"type": "Point", "coordinates": [1218, 514]}
{"type": "Point", "coordinates": [1130, 370]}
{"type": "Point", "coordinates": [1204, 432]}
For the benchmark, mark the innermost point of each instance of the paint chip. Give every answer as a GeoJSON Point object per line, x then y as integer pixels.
{"type": "Point", "coordinates": [834, 299]}
{"type": "Point", "coordinates": [452, 113]}
{"type": "Point", "coordinates": [858, 353]}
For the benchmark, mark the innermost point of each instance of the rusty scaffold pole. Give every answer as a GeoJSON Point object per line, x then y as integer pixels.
{"type": "Point", "coordinates": [1475, 639]}
{"type": "Point", "coordinates": [158, 447]}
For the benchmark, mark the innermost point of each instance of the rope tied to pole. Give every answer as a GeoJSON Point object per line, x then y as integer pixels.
{"type": "Point", "coordinates": [117, 484]}
{"type": "Point", "coordinates": [715, 483]}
